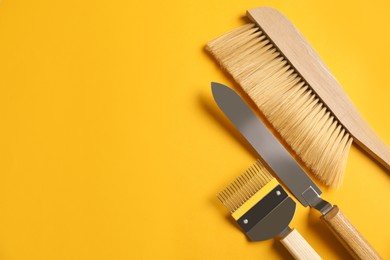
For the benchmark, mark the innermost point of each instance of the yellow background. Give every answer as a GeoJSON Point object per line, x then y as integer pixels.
{"type": "Point", "coordinates": [111, 146]}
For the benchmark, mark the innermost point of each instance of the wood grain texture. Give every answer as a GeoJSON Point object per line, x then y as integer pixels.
{"type": "Point", "coordinates": [348, 235]}
{"type": "Point", "coordinates": [298, 246]}
{"type": "Point", "coordinates": [306, 61]}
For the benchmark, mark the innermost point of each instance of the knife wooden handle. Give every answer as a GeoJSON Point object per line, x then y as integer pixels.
{"type": "Point", "coordinates": [298, 247]}
{"type": "Point", "coordinates": [348, 235]}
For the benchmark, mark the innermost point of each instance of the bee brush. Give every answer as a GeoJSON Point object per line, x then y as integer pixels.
{"type": "Point", "coordinates": [264, 210]}
{"type": "Point", "coordinates": [297, 93]}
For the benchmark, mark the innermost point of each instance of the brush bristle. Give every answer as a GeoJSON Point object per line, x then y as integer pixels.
{"type": "Point", "coordinates": [244, 187]}
{"type": "Point", "coordinates": [286, 100]}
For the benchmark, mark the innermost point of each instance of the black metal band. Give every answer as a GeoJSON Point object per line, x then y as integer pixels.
{"type": "Point", "coordinates": [262, 208]}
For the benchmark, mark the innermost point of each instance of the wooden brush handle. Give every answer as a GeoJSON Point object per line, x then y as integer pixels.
{"type": "Point", "coordinates": [298, 247]}
{"type": "Point", "coordinates": [348, 235]}
{"type": "Point", "coordinates": [306, 61]}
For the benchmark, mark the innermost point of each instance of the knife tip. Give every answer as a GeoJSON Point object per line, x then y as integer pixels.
{"type": "Point", "coordinates": [215, 87]}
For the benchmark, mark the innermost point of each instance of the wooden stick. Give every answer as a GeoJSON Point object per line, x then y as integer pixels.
{"type": "Point", "coordinates": [298, 246]}
{"type": "Point", "coordinates": [348, 235]}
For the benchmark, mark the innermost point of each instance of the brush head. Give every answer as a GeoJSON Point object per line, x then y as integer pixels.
{"type": "Point", "coordinates": [258, 203]}
{"type": "Point", "coordinates": [286, 100]}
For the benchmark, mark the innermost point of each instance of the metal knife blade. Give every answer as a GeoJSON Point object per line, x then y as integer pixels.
{"type": "Point", "coordinates": [266, 144]}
